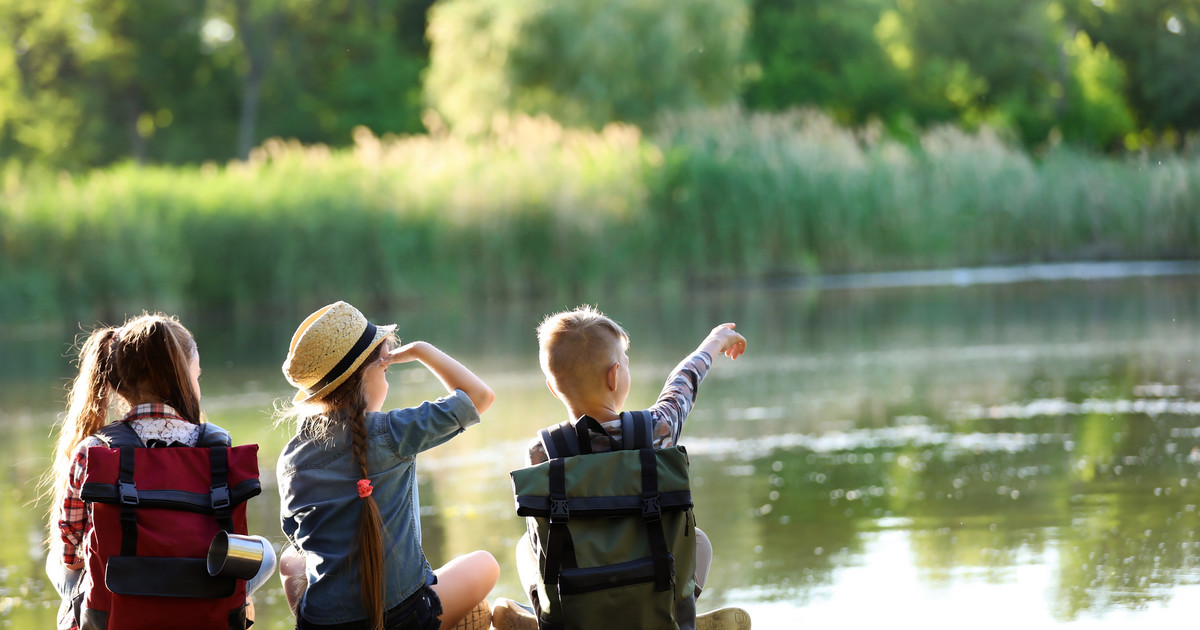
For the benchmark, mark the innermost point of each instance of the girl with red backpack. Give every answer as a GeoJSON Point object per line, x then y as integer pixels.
{"type": "Point", "coordinates": [150, 368]}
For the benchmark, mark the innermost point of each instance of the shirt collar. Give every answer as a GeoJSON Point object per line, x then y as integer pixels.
{"type": "Point", "coordinates": [152, 411]}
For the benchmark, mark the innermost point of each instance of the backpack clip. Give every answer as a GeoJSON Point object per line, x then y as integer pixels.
{"type": "Point", "coordinates": [558, 511]}
{"type": "Point", "coordinates": [651, 508]}
{"type": "Point", "coordinates": [128, 492]}
{"type": "Point", "coordinates": [220, 496]}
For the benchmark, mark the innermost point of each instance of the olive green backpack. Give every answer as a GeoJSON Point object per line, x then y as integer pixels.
{"type": "Point", "coordinates": [613, 532]}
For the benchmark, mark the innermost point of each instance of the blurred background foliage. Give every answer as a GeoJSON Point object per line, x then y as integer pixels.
{"type": "Point", "coordinates": [286, 151]}
{"type": "Point", "coordinates": [85, 83]}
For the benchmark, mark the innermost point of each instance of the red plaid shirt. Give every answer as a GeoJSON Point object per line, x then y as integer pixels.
{"type": "Point", "coordinates": [668, 413]}
{"type": "Point", "coordinates": [149, 421]}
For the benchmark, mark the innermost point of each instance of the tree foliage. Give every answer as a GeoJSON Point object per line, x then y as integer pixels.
{"type": "Point", "coordinates": [92, 82]}
{"type": "Point", "coordinates": [1158, 43]}
{"type": "Point", "coordinates": [583, 63]}
{"type": "Point", "coordinates": [823, 53]}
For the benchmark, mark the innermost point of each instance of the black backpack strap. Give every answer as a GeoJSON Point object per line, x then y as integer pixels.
{"type": "Point", "coordinates": [664, 564]}
{"type": "Point", "coordinates": [127, 491]}
{"type": "Point", "coordinates": [118, 434]}
{"type": "Point", "coordinates": [559, 440]}
{"type": "Point", "coordinates": [218, 461]}
{"type": "Point", "coordinates": [636, 430]}
{"type": "Point", "coordinates": [213, 435]}
{"type": "Point", "coordinates": [584, 427]}
{"type": "Point", "coordinates": [560, 550]}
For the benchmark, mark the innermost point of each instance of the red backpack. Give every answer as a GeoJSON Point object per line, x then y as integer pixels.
{"type": "Point", "coordinates": [154, 513]}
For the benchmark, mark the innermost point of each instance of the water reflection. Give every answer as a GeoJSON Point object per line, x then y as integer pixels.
{"type": "Point", "coordinates": [925, 452]}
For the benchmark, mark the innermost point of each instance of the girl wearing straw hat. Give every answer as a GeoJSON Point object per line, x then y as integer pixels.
{"type": "Point", "coordinates": [347, 483]}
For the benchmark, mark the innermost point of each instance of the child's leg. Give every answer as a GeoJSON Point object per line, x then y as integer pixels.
{"type": "Point", "coordinates": [291, 573]}
{"type": "Point", "coordinates": [463, 583]}
{"type": "Point", "coordinates": [527, 565]}
{"type": "Point", "coordinates": [703, 559]}
{"type": "Point", "coordinates": [265, 569]}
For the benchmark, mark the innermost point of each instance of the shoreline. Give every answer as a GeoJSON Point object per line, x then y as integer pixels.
{"type": "Point", "coordinates": [990, 275]}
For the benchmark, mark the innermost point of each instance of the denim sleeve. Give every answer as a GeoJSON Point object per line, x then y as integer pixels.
{"type": "Point", "coordinates": [420, 428]}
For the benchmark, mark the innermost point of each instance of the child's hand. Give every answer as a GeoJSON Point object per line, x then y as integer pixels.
{"type": "Point", "coordinates": [450, 372]}
{"type": "Point", "coordinates": [403, 354]}
{"type": "Point", "coordinates": [723, 340]}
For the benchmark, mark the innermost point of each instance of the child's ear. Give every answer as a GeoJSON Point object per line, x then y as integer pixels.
{"type": "Point", "coordinates": [611, 376]}
{"type": "Point", "coordinates": [550, 386]}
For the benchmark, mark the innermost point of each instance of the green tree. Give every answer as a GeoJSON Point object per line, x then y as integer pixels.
{"type": "Point", "coordinates": [40, 112]}
{"type": "Point", "coordinates": [339, 64]}
{"type": "Point", "coordinates": [582, 62]}
{"type": "Point", "coordinates": [1017, 65]}
{"type": "Point", "coordinates": [982, 61]}
{"type": "Point", "coordinates": [149, 72]}
{"type": "Point", "coordinates": [1158, 42]}
{"type": "Point", "coordinates": [823, 53]}
{"type": "Point", "coordinates": [1097, 112]}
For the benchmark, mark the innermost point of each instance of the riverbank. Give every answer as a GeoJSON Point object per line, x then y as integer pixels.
{"type": "Point", "coordinates": [715, 198]}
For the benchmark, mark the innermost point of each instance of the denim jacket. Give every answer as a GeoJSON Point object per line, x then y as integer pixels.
{"type": "Point", "coordinates": [320, 505]}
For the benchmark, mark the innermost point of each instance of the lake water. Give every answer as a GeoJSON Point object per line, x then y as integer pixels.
{"type": "Point", "coordinates": [996, 455]}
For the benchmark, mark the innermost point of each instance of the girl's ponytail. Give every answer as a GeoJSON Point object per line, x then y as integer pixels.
{"type": "Point", "coordinates": [87, 408]}
{"type": "Point", "coordinates": [146, 360]}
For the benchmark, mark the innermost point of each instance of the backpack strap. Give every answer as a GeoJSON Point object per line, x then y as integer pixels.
{"type": "Point", "coordinates": [636, 430]}
{"type": "Point", "coordinates": [664, 564]}
{"type": "Point", "coordinates": [556, 442]}
{"type": "Point", "coordinates": [213, 435]}
{"type": "Point", "coordinates": [218, 462]}
{"type": "Point", "coordinates": [127, 491]}
{"type": "Point", "coordinates": [584, 427]}
{"type": "Point", "coordinates": [118, 434]}
{"type": "Point", "coordinates": [560, 549]}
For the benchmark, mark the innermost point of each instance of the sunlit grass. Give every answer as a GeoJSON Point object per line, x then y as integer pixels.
{"type": "Point", "coordinates": [536, 208]}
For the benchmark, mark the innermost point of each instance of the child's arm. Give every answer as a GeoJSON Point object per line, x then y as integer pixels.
{"type": "Point", "coordinates": [723, 340]}
{"type": "Point", "coordinates": [679, 393]}
{"type": "Point", "coordinates": [450, 372]}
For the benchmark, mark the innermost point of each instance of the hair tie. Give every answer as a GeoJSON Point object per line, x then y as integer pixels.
{"type": "Point", "coordinates": [364, 488]}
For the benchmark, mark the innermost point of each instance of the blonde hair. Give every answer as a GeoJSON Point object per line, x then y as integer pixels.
{"type": "Point", "coordinates": [576, 348]}
{"type": "Point", "coordinates": [346, 406]}
{"type": "Point", "coordinates": [145, 360]}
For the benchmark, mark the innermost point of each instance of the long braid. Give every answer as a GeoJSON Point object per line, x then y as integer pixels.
{"type": "Point", "coordinates": [370, 544]}
{"type": "Point", "coordinates": [346, 406]}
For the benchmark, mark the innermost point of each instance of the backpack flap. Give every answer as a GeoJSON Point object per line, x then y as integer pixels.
{"type": "Point", "coordinates": [604, 484]}
{"type": "Point", "coordinates": [613, 535]}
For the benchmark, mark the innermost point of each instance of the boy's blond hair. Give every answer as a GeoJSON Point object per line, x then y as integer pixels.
{"type": "Point", "coordinates": [577, 347]}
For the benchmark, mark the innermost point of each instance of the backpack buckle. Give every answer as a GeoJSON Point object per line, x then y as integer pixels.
{"type": "Point", "coordinates": [220, 496]}
{"type": "Point", "coordinates": [558, 511]}
{"type": "Point", "coordinates": [128, 492]}
{"type": "Point", "coordinates": [651, 508]}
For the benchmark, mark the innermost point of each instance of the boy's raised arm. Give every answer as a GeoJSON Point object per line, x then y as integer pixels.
{"type": "Point", "coordinates": [449, 371]}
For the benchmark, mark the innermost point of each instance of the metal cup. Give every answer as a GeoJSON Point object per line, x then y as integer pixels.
{"type": "Point", "coordinates": [234, 555]}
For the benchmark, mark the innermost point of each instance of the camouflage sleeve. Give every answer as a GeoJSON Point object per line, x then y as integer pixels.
{"type": "Point", "coordinates": [677, 397]}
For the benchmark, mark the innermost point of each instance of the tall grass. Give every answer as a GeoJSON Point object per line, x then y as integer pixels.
{"type": "Point", "coordinates": [536, 208]}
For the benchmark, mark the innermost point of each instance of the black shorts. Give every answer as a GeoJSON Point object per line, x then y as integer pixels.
{"type": "Point", "coordinates": [419, 611]}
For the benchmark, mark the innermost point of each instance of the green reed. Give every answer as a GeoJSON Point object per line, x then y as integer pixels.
{"type": "Point", "coordinates": [712, 197]}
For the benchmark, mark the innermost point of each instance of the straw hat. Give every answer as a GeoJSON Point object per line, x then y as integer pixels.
{"type": "Point", "coordinates": [328, 347]}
